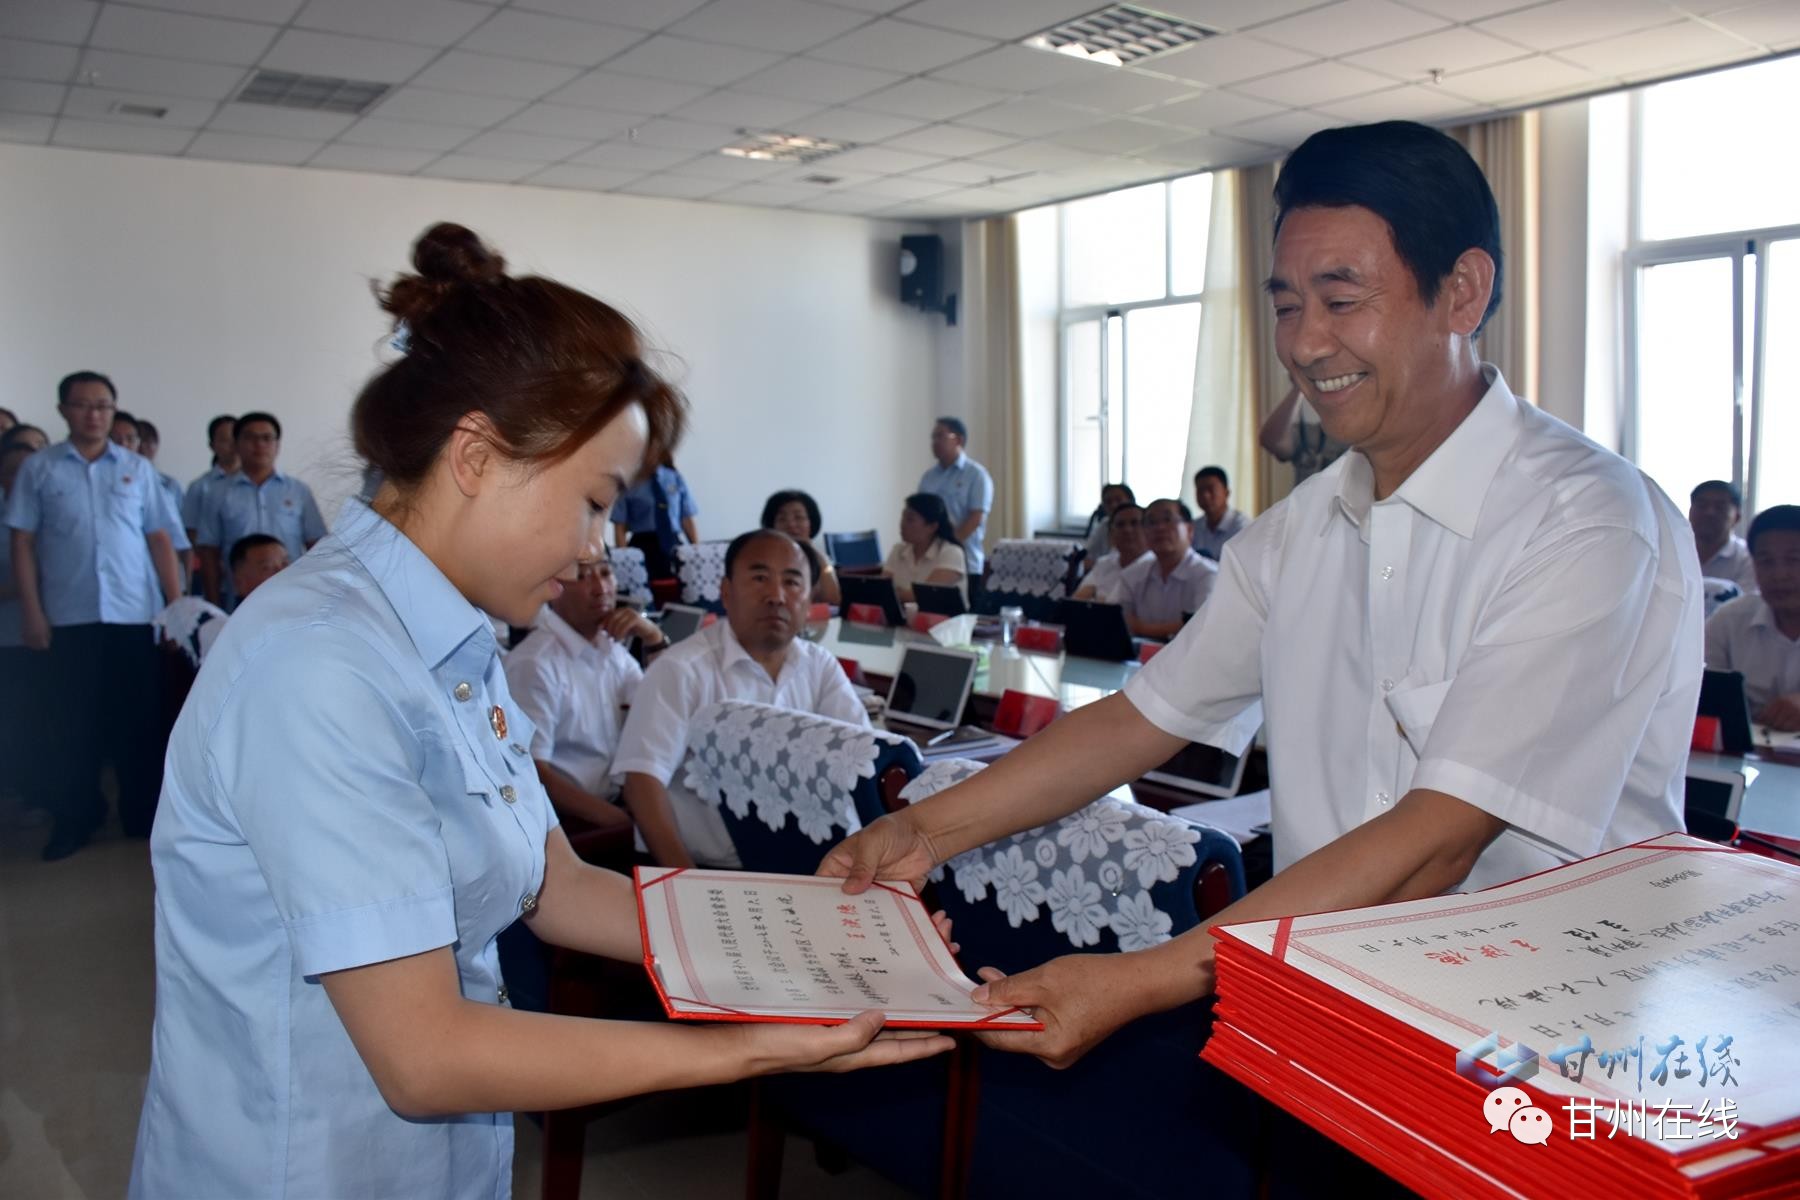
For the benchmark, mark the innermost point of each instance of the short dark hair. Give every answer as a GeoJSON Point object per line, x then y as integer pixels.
{"type": "Point", "coordinates": [248, 417]}
{"type": "Point", "coordinates": [10, 415]}
{"type": "Point", "coordinates": [240, 549]}
{"type": "Point", "coordinates": [1217, 473]}
{"type": "Point", "coordinates": [1123, 507]}
{"type": "Point", "coordinates": [1435, 200]}
{"type": "Point", "coordinates": [743, 541]}
{"type": "Point", "coordinates": [955, 425]}
{"type": "Point", "coordinates": [1187, 514]}
{"type": "Point", "coordinates": [934, 512]}
{"type": "Point", "coordinates": [1782, 518]}
{"type": "Point", "coordinates": [17, 434]}
{"type": "Point", "coordinates": [1718, 485]}
{"type": "Point", "coordinates": [212, 426]}
{"type": "Point", "coordinates": [120, 414]}
{"type": "Point", "coordinates": [8, 449]}
{"type": "Point", "coordinates": [780, 500]}
{"type": "Point", "coordinates": [69, 381]}
{"type": "Point", "coordinates": [148, 432]}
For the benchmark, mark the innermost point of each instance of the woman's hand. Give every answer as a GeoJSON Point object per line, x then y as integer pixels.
{"type": "Point", "coordinates": [857, 1043]}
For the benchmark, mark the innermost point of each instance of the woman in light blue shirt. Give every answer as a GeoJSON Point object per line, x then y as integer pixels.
{"type": "Point", "coordinates": [351, 816]}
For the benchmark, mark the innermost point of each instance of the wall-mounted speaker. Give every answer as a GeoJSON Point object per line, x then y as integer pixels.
{"type": "Point", "coordinates": [922, 275]}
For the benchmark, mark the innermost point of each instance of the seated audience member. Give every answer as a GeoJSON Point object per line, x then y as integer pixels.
{"type": "Point", "coordinates": [754, 654]}
{"type": "Point", "coordinates": [928, 551]}
{"type": "Point", "coordinates": [149, 442]}
{"type": "Point", "coordinates": [1159, 591]}
{"type": "Point", "coordinates": [1219, 522]}
{"type": "Point", "coordinates": [254, 560]}
{"type": "Point", "coordinates": [1759, 634]}
{"type": "Point", "coordinates": [573, 676]}
{"type": "Point", "coordinates": [797, 514]}
{"type": "Point", "coordinates": [1097, 541]}
{"type": "Point", "coordinates": [24, 435]}
{"type": "Point", "coordinates": [656, 516]}
{"type": "Point", "coordinates": [1129, 549]}
{"type": "Point", "coordinates": [258, 499]}
{"type": "Point", "coordinates": [221, 439]}
{"type": "Point", "coordinates": [1714, 508]}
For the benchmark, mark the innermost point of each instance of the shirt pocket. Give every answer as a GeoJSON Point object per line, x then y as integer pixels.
{"type": "Point", "coordinates": [125, 505]}
{"type": "Point", "coordinates": [1415, 705]}
{"type": "Point", "coordinates": [289, 520]}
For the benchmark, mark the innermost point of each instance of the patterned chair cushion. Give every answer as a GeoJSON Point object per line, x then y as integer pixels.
{"type": "Point", "coordinates": [632, 575]}
{"type": "Point", "coordinates": [701, 569]}
{"type": "Point", "coordinates": [1719, 593]}
{"type": "Point", "coordinates": [181, 623]}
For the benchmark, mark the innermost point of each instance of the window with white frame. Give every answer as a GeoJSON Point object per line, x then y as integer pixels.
{"type": "Point", "coordinates": [1713, 286]}
{"type": "Point", "coordinates": [1133, 275]}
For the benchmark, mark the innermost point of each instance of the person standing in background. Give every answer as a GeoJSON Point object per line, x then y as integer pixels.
{"type": "Point", "coordinates": [656, 516]}
{"type": "Point", "coordinates": [1714, 509]}
{"type": "Point", "coordinates": [1292, 434]}
{"type": "Point", "coordinates": [8, 418]}
{"type": "Point", "coordinates": [149, 442]}
{"type": "Point", "coordinates": [258, 499]}
{"type": "Point", "coordinates": [221, 439]}
{"type": "Point", "coordinates": [967, 491]}
{"type": "Point", "coordinates": [20, 668]}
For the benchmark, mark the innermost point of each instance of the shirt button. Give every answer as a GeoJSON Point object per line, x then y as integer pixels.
{"type": "Point", "coordinates": [462, 691]}
{"type": "Point", "coordinates": [1387, 685]}
{"type": "Point", "coordinates": [508, 793]}
{"type": "Point", "coordinates": [528, 903]}
{"type": "Point", "coordinates": [516, 748]}
{"type": "Point", "coordinates": [501, 994]}
{"type": "Point", "coordinates": [1387, 572]}
{"type": "Point", "coordinates": [1381, 798]}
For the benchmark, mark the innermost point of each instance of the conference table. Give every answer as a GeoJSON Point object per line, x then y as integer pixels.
{"type": "Point", "coordinates": [1771, 802]}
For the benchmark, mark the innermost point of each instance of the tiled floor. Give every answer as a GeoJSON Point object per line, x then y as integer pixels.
{"type": "Point", "coordinates": [76, 987]}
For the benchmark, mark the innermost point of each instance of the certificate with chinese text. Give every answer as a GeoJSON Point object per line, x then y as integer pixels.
{"type": "Point", "coordinates": [739, 946]}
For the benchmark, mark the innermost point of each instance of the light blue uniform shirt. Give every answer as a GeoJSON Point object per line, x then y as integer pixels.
{"type": "Point", "coordinates": [336, 795]}
{"type": "Point", "coordinates": [172, 489]}
{"type": "Point", "coordinates": [194, 500]}
{"type": "Point", "coordinates": [636, 506]}
{"type": "Point", "coordinates": [89, 521]}
{"type": "Point", "coordinates": [965, 486]}
{"type": "Point", "coordinates": [281, 506]}
{"type": "Point", "coordinates": [11, 616]}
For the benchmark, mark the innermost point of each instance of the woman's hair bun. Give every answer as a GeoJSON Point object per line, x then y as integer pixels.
{"type": "Point", "coordinates": [449, 253]}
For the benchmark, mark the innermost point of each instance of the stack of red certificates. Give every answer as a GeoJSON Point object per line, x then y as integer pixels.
{"type": "Point", "coordinates": [1629, 1022]}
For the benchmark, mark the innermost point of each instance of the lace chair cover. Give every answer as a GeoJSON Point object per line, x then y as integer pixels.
{"type": "Point", "coordinates": [1719, 593]}
{"type": "Point", "coordinates": [181, 621]}
{"type": "Point", "coordinates": [1029, 573]}
{"type": "Point", "coordinates": [789, 784]}
{"type": "Point", "coordinates": [632, 575]}
{"type": "Point", "coordinates": [701, 568]}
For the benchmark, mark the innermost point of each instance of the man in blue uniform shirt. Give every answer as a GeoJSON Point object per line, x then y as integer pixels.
{"type": "Point", "coordinates": [966, 487]}
{"type": "Point", "coordinates": [94, 542]}
{"type": "Point", "coordinates": [258, 499]}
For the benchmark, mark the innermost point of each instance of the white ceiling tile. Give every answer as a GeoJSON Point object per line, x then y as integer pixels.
{"type": "Point", "coordinates": [688, 61]}
{"type": "Point", "coordinates": [31, 96]}
{"type": "Point", "coordinates": [269, 12]}
{"type": "Point", "coordinates": [1123, 136]}
{"type": "Point", "coordinates": [1772, 24]}
{"type": "Point", "coordinates": [1008, 20]}
{"type": "Point", "coordinates": [1284, 129]}
{"type": "Point", "coordinates": [1039, 156]}
{"type": "Point", "coordinates": [929, 99]}
{"type": "Point", "coordinates": [951, 141]}
{"type": "Point", "coordinates": [744, 109]}
{"type": "Point", "coordinates": [492, 75]}
{"type": "Point", "coordinates": [976, 201]}
{"type": "Point", "coordinates": [405, 135]}
{"type": "Point", "coordinates": [48, 20]}
{"type": "Point", "coordinates": [684, 135]}
{"type": "Point", "coordinates": [428, 22]}
{"type": "Point", "coordinates": [905, 187]}
{"type": "Point", "coordinates": [637, 14]}
{"type": "Point", "coordinates": [135, 139]}
{"type": "Point", "coordinates": [349, 58]}
{"type": "Point", "coordinates": [729, 168]}
{"type": "Point", "coordinates": [875, 7]}
{"type": "Point", "coordinates": [446, 108]}
{"type": "Point", "coordinates": [101, 104]}
{"type": "Point", "coordinates": [626, 93]}
{"type": "Point", "coordinates": [162, 76]}
{"type": "Point", "coordinates": [855, 125]}
{"type": "Point", "coordinates": [817, 81]}
{"type": "Point", "coordinates": [481, 170]}
{"type": "Point", "coordinates": [1457, 49]}
{"type": "Point", "coordinates": [560, 120]}
{"type": "Point", "coordinates": [1531, 78]}
{"type": "Point", "coordinates": [1031, 118]}
{"type": "Point", "coordinates": [1229, 15]}
{"type": "Point", "coordinates": [1348, 25]}
{"type": "Point", "coordinates": [1018, 69]}
{"type": "Point", "coordinates": [1408, 102]}
{"type": "Point", "coordinates": [1469, 10]}
{"type": "Point", "coordinates": [1212, 109]}
{"type": "Point", "coordinates": [587, 179]}
{"type": "Point", "coordinates": [808, 173]}
{"type": "Point", "coordinates": [269, 121]}
{"type": "Point", "coordinates": [550, 39]}
{"type": "Point", "coordinates": [678, 187]}
{"type": "Point", "coordinates": [880, 160]}
{"type": "Point", "coordinates": [25, 127]}
{"type": "Point", "coordinates": [765, 195]}
{"type": "Point", "coordinates": [965, 172]}
{"type": "Point", "coordinates": [1211, 151]}
{"type": "Point", "coordinates": [523, 147]}
{"type": "Point", "coordinates": [1315, 84]}
{"type": "Point", "coordinates": [384, 159]}
{"type": "Point", "coordinates": [46, 62]}
{"type": "Point", "coordinates": [177, 35]}
{"type": "Point", "coordinates": [243, 147]}
{"type": "Point", "coordinates": [1636, 54]}
{"type": "Point", "coordinates": [898, 46]}
{"type": "Point", "coordinates": [783, 25]}
{"type": "Point", "coordinates": [1123, 91]}
{"type": "Point", "coordinates": [631, 156]}
{"type": "Point", "coordinates": [1227, 59]}
{"type": "Point", "coordinates": [1570, 22]}
{"type": "Point", "coordinates": [847, 203]}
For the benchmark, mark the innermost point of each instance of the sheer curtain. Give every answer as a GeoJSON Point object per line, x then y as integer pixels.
{"type": "Point", "coordinates": [1228, 368]}
{"type": "Point", "coordinates": [1506, 150]}
{"type": "Point", "coordinates": [993, 367]}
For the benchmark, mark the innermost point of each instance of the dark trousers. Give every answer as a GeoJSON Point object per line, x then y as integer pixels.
{"type": "Point", "coordinates": [22, 676]}
{"type": "Point", "coordinates": [104, 705]}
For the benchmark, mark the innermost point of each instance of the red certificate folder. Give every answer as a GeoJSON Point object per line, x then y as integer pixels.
{"type": "Point", "coordinates": [742, 946]}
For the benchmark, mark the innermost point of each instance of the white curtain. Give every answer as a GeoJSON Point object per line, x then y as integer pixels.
{"type": "Point", "coordinates": [1227, 372]}
{"type": "Point", "coordinates": [993, 367]}
{"type": "Point", "coordinates": [1506, 150]}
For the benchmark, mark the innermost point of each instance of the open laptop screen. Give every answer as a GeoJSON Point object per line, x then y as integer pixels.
{"type": "Point", "coordinates": [931, 686]}
{"type": "Point", "coordinates": [680, 621]}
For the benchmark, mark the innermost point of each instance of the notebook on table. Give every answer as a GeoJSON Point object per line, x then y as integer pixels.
{"type": "Point", "coordinates": [870, 596]}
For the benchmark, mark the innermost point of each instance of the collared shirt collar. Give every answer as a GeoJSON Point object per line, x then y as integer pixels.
{"type": "Point", "coordinates": [962, 460]}
{"type": "Point", "coordinates": [1765, 618]}
{"type": "Point", "coordinates": [112, 451]}
{"type": "Point", "coordinates": [275, 476]}
{"type": "Point", "coordinates": [1451, 485]}
{"type": "Point", "coordinates": [437, 617]}
{"type": "Point", "coordinates": [732, 652]}
{"type": "Point", "coordinates": [565, 633]}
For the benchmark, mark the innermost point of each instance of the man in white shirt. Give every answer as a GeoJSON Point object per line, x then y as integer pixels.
{"type": "Point", "coordinates": [1475, 638]}
{"type": "Point", "coordinates": [1713, 511]}
{"type": "Point", "coordinates": [574, 678]}
{"type": "Point", "coordinates": [754, 654]}
{"type": "Point", "coordinates": [1125, 528]}
{"type": "Point", "coordinates": [1157, 593]}
{"type": "Point", "coordinates": [1219, 522]}
{"type": "Point", "coordinates": [1759, 634]}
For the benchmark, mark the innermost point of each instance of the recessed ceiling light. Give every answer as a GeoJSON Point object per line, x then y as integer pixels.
{"type": "Point", "coordinates": [319, 93]}
{"type": "Point", "coordinates": [1119, 34]}
{"type": "Point", "coordinates": [782, 147]}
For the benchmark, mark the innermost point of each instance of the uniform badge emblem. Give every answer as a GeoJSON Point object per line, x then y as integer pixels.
{"type": "Point", "coordinates": [497, 719]}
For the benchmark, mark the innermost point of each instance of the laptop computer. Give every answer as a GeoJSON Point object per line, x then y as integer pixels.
{"type": "Point", "coordinates": [1095, 629]}
{"type": "Point", "coordinates": [943, 598]}
{"type": "Point", "coordinates": [681, 621]}
{"type": "Point", "coordinates": [876, 591]}
{"type": "Point", "coordinates": [1711, 799]}
{"type": "Point", "coordinates": [1722, 697]}
{"type": "Point", "coordinates": [926, 700]}
{"type": "Point", "coordinates": [1205, 770]}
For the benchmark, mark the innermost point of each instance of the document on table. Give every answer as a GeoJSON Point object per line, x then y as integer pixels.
{"type": "Point", "coordinates": [740, 946]}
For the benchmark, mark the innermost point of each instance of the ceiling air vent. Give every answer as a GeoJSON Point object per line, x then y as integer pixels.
{"type": "Point", "coordinates": [822, 180]}
{"type": "Point", "coordinates": [155, 112]}
{"type": "Point", "coordinates": [1118, 35]}
{"type": "Point", "coordinates": [318, 93]}
{"type": "Point", "coordinates": [781, 147]}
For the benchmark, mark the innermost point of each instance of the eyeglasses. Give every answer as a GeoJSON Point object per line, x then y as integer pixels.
{"type": "Point", "coordinates": [89, 407]}
{"type": "Point", "coordinates": [1158, 522]}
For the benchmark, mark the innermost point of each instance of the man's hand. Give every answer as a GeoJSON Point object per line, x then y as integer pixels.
{"type": "Point", "coordinates": [624, 622]}
{"type": "Point", "coordinates": [1081, 999]}
{"type": "Point", "coordinates": [891, 848]}
{"type": "Point", "coordinates": [34, 630]}
{"type": "Point", "coordinates": [1782, 713]}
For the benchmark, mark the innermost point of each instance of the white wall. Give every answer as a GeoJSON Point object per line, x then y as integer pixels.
{"type": "Point", "coordinates": [209, 287]}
